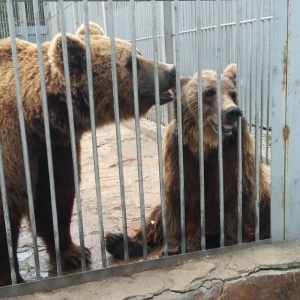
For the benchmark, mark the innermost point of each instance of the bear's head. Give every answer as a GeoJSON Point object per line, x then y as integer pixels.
{"type": "Point", "coordinates": [230, 112]}
{"type": "Point", "coordinates": [100, 47]}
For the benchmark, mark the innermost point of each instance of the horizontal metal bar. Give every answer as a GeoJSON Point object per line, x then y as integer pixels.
{"type": "Point", "coordinates": [128, 269]}
{"type": "Point", "coordinates": [226, 24]}
{"type": "Point", "coordinates": [102, 0]}
{"type": "Point", "coordinates": [147, 38]}
{"type": "Point", "coordinates": [208, 27]}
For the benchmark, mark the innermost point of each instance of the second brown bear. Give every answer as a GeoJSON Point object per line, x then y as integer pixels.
{"type": "Point", "coordinates": [230, 114]}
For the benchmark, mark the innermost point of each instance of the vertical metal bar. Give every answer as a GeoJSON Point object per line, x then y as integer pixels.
{"type": "Point", "coordinates": [46, 20]}
{"type": "Point", "coordinates": [258, 67]}
{"type": "Point", "coordinates": [168, 44]}
{"type": "Point", "coordinates": [243, 58]}
{"type": "Point", "coordinates": [117, 120]}
{"type": "Point", "coordinates": [93, 127]}
{"type": "Point", "coordinates": [23, 134]}
{"type": "Point", "coordinates": [137, 127]}
{"type": "Point", "coordinates": [47, 134]}
{"type": "Point", "coordinates": [47, 15]}
{"type": "Point", "coordinates": [220, 142]}
{"type": "Point", "coordinates": [239, 145]}
{"type": "Point", "coordinates": [158, 124]}
{"type": "Point", "coordinates": [179, 124]}
{"type": "Point", "coordinates": [7, 220]}
{"type": "Point", "coordinates": [105, 19]}
{"type": "Point", "coordinates": [270, 79]}
{"type": "Point", "coordinates": [211, 33]}
{"type": "Point", "coordinates": [265, 73]}
{"type": "Point", "coordinates": [72, 129]}
{"type": "Point", "coordinates": [200, 121]}
{"type": "Point", "coordinates": [204, 49]}
{"type": "Point", "coordinates": [252, 57]}
{"type": "Point", "coordinates": [291, 133]}
{"type": "Point", "coordinates": [23, 20]}
{"type": "Point", "coordinates": [247, 46]}
{"type": "Point", "coordinates": [75, 14]}
{"type": "Point", "coordinates": [224, 34]}
{"type": "Point", "coordinates": [278, 121]}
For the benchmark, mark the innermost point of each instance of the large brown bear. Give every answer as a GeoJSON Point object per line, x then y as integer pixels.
{"type": "Point", "coordinates": [59, 128]}
{"type": "Point", "coordinates": [230, 114]}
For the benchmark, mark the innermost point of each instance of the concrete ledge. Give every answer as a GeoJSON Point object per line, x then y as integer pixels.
{"type": "Point", "coordinates": [259, 272]}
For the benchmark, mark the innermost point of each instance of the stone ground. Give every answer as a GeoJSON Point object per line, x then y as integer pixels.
{"type": "Point", "coordinates": [110, 193]}
{"type": "Point", "coordinates": [161, 284]}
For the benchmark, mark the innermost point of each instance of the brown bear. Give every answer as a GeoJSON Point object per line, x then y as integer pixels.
{"type": "Point", "coordinates": [59, 128]}
{"type": "Point", "coordinates": [230, 114]}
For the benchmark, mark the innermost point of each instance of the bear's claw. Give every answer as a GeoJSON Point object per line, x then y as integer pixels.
{"type": "Point", "coordinates": [73, 261]}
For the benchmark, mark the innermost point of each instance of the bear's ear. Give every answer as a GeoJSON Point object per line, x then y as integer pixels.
{"type": "Point", "coordinates": [76, 55]}
{"type": "Point", "coordinates": [94, 29]}
{"type": "Point", "coordinates": [230, 72]}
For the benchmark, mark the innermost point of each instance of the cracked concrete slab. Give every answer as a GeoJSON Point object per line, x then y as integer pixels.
{"type": "Point", "coordinates": [259, 272]}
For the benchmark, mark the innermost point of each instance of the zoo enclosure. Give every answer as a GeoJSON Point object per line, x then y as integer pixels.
{"type": "Point", "coordinates": [74, 17]}
{"type": "Point", "coordinates": [268, 72]}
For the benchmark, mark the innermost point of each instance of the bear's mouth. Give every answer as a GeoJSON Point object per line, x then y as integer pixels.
{"type": "Point", "coordinates": [165, 97]}
{"type": "Point", "coordinates": [226, 128]}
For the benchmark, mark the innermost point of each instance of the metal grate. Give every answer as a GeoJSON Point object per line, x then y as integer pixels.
{"type": "Point", "coordinates": [195, 35]}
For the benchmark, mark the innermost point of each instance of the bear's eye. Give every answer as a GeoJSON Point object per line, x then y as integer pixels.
{"type": "Point", "coordinates": [209, 93]}
{"type": "Point", "coordinates": [233, 96]}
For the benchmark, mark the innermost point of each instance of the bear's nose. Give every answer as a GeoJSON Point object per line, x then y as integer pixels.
{"type": "Point", "coordinates": [233, 113]}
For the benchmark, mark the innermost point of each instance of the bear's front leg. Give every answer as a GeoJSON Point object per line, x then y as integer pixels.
{"type": "Point", "coordinates": [65, 193]}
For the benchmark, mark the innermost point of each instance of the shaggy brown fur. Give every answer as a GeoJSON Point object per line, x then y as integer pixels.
{"type": "Point", "coordinates": [59, 128]}
{"type": "Point", "coordinates": [230, 115]}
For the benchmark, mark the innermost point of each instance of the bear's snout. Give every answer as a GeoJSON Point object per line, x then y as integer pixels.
{"type": "Point", "coordinates": [232, 114]}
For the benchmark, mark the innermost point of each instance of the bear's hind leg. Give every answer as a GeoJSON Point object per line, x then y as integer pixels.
{"type": "Point", "coordinates": [5, 271]}
{"type": "Point", "coordinates": [65, 193]}
{"type": "Point", "coordinates": [115, 245]}
{"type": "Point", "coordinates": [115, 241]}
